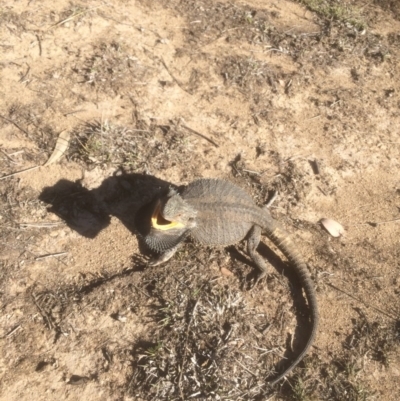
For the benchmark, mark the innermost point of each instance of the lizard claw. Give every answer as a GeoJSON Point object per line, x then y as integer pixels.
{"type": "Point", "coordinates": [154, 262]}
{"type": "Point", "coordinates": [164, 257]}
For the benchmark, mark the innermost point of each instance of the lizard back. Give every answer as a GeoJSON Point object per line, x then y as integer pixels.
{"type": "Point", "coordinates": [225, 212]}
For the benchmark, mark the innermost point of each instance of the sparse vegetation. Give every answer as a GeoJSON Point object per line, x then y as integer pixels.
{"type": "Point", "coordinates": [296, 100]}
{"type": "Point", "coordinates": [107, 144]}
{"type": "Point", "coordinates": [337, 10]}
{"type": "Point", "coordinates": [203, 337]}
{"type": "Point", "coordinates": [111, 68]}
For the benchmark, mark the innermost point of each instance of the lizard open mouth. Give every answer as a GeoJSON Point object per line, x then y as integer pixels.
{"type": "Point", "coordinates": [158, 221]}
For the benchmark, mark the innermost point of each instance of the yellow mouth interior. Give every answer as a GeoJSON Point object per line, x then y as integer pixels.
{"type": "Point", "coordinates": [158, 221]}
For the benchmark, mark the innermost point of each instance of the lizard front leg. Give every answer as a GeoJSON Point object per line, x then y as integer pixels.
{"type": "Point", "coordinates": [165, 256]}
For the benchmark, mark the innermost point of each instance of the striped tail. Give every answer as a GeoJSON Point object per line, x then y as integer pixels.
{"type": "Point", "coordinates": [282, 240]}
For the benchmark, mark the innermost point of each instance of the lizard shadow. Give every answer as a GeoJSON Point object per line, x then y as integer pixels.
{"type": "Point", "coordinates": [129, 197]}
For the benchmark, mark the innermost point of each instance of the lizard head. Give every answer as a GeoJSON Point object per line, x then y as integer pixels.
{"type": "Point", "coordinates": [171, 211]}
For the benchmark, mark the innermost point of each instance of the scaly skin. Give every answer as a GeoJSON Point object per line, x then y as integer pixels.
{"type": "Point", "coordinates": [218, 213]}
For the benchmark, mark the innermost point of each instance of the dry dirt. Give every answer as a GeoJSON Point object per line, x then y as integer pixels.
{"type": "Point", "coordinates": [271, 95]}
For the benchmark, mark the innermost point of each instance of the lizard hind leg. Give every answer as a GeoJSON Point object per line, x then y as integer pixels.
{"type": "Point", "coordinates": [253, 240]}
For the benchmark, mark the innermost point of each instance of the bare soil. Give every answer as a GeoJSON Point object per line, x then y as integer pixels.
{"type": "Point", "coordinates": [300, 98]}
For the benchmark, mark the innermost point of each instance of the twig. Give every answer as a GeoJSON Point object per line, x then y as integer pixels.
{"type": "Point", "coordinates": [71, 17]}
{"type": "Point", "coordinates": [40, 225]}
{"type": "Point", "coordinates": [251, 172]}
{"type": "Point", "coordinates": [233, 164]}
{"type": "Point", "coordinates": [375, 223]}
{"type": "Point", "coordinates": [138, 289]}
{"type": "Point", "coordinates": [200, 135]}
{"type": "Point", "coordinates": [271, 201]}
{"type": "Point", "coordinates": [15, 124]}
{"type": "Point", "coordinates": [16, 153]}
{"type": "Point", "coordinates": [8, 157]}
{"type": "Point", "coordinates": [266, 351]}
{"type": "Point", "coordinates": [244, 367]}
{"type": "Point", "coordinates": [179, 83]}
{"type": "Point", "coordinates": [44, 314]}
{"type": "Point", "coordinates": [18, 172]}
{"type": "Point", "coordinates": [10, 333]}
{"type": "Point", "coordinates": [73, 112]}
{"type": "Point", "coordinates": [50, 255]}
{"type": "Point", "coordinates": [40, 44]}
{"type": "Point", "coordinates": [363, 302]}
{"type": "Point", "coordinates": [277, 50]}
{"type": "Point", "coordinates": [24, 76]}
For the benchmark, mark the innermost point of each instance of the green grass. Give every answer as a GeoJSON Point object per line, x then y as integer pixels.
{"type": "Point", "coordinates": [337, 11]}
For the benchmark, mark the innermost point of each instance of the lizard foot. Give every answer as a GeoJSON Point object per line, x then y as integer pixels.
{"type": "Point", "coordinates": [164, 257]}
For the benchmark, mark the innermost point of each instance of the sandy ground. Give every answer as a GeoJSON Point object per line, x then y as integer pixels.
{"type": "Point", "coordinates": [285, 101]}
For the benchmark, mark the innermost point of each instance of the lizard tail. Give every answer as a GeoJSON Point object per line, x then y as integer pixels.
{"type": "Point", "coordinates": [283, 241]}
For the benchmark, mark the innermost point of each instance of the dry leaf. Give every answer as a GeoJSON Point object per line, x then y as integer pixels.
{"type": "Point", "coordinates": [61, 147]}
{"type": "Point", "coordinates": [226, 272]}
{"type": "Point", "coordinates": [333, 227]}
